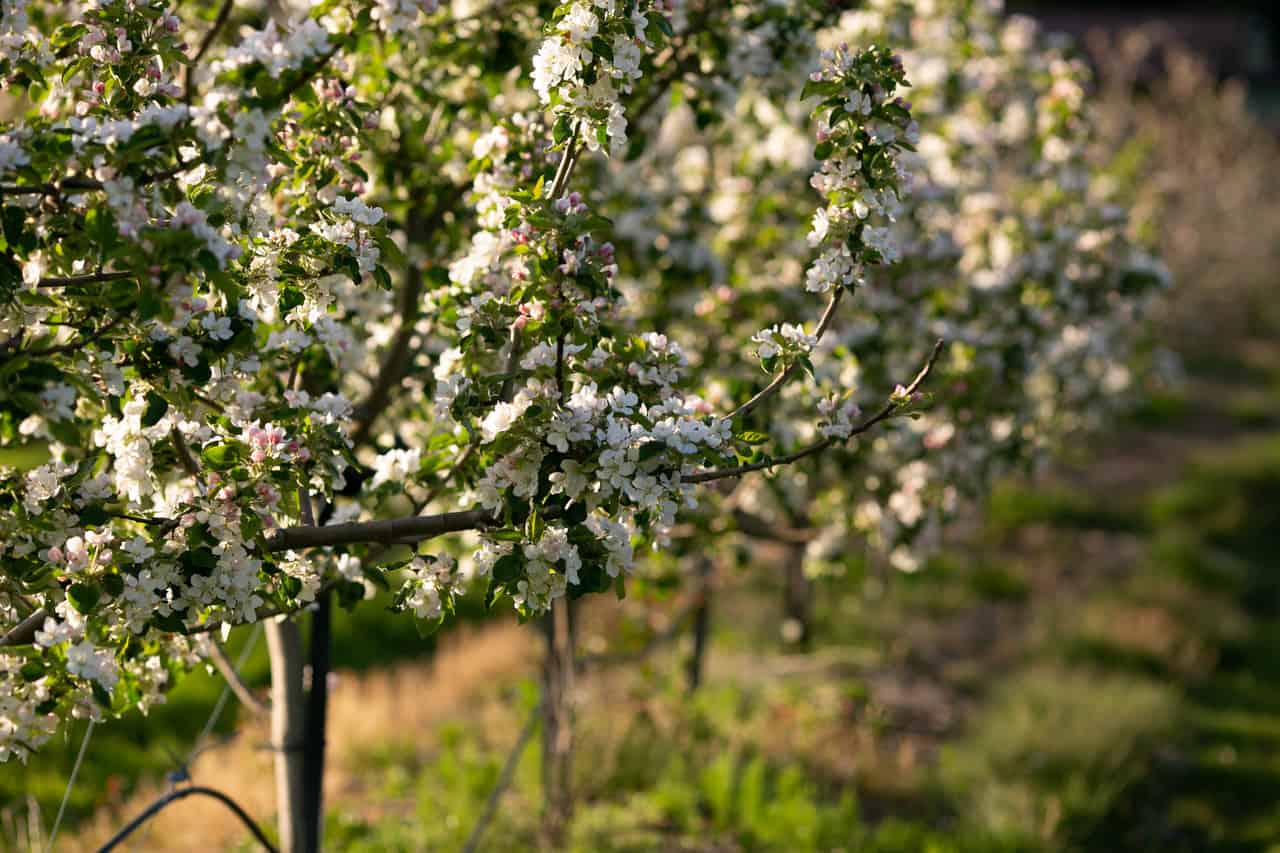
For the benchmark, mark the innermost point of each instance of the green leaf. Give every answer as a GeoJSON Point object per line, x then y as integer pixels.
{"type": "Point", "coordinates": [561, 130]}
{"type": "Point", "coordinates": [753, 437]}
{"type": "Point", "coordinates": [93, 515]}
{"type": "Point", "coordinates": [113, 584]}
{"type": "Point", "coordinates": [508, 568]}
{"type": "Point", "coordinates": [220, 457]}
{"type": "Point", "coordinates": [84, 596]}
{"type": "Point", "coordinates": [156, 407]}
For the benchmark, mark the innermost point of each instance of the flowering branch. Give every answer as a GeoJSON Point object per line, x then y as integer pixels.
{"type": "Point", "coordinates": [772, 388]}
{"type": "Point", "coordinates": [896, 401]}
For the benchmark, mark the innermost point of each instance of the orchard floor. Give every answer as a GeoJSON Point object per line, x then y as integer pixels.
{"type": "Point", "coordinates": [1094, 667]}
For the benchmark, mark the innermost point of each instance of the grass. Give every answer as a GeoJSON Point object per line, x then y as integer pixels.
{"type": "Point", "coordinates": [1095, 669]}
{"type": "Point", "coordinates": [137, 750]}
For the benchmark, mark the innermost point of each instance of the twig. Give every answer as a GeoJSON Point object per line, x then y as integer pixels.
{"type": "Point", "coordinates": [219, 657]}
{"type": "Point", "coordinates": [781, 379]}
{"type": "Point", "coordinates": [395, 365]}
{"type": "Point", "coordinates": [185, 458]}
{"type": "Point", "coordinates": [306, 77]}
{"type": "Point", "coordinates": [90, 278]}
{"type": "Point", "coordinates": [759, 528]}
{"type": "Point", "coordinates": [224, 12]}
{"type": "Point", "coordinates": [651, 645]}
{"type": "Point", "coordinates": [504, 780]}
{"type": "Point", "coordinates": [435, 490]}
{"type": "Point", "coordinates": [70, 346]}
{"type": "Point", "coordinates": [889, 409]}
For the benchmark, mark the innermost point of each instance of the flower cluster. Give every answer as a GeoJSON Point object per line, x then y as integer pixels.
{"type": "Point", "coordinates": [862, 126]}
{"type": "Point", "coordinates": [592, 56]}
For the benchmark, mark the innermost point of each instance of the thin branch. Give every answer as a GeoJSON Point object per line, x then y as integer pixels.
{"type": "Point", "coordinates": [185, 458]}
{"type": "Point", "coordinates": [220, 660]}
{"type": "Point", "coordinates": [399, 358]}
{"type": "Point", "coordinates": [558, 184]}
{"type": "Point", "coordinates": [435, 490]}
{"type": "Point", "coordinates": [306, 77]}
{"type": "Point", "coordinates": [70, 346]}
{"type": "Point", "coordinates": [781, 379]}
{"type": "Point", "coordinates": [25, 631]}
{"type": "Point", "coordinates": [892, 406]}
{"type": "Point", "coordinates": [504, 780]}
{"type": "Point", "coordinates": [88, 278]}
{"type": "Point", "coordinates": [71, 183]}
{"type": "Point", "coordinates": [387, 532]}
{"type": "Point", "coordinates": [561, 388]}
{"type": "Point", "coordinates": [224, 12]}
{"type": "Point", "coordinates": [565, 169]}
{"type": "Point", "coordinates": [760, 528]}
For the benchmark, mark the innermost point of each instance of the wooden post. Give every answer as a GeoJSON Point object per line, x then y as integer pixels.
{"type": "Point", "coordinates": [288, 722]}
{"type": "Point", "coordinates": [317, 711]}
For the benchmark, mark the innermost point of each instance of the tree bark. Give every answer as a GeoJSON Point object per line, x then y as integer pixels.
{"type": "Point", "coordinates": [797, 599]}
{"type": "Point", "coordinates": [701, 623]}
{"type": "Point", "coordinates": [288, 723]}
{"type": "Point", "coordinates": [557, 716]}
{"type": "Point", "coordinates": [316, 714]}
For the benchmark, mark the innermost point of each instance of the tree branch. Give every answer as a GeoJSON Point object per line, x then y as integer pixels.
{"type": "Point", "coordinates": [818, 447]}
{"type": "Point", "coordinates": [781, 379]}
{"type": "Point", "coordinates": [89, 278]}
{"type": "Point", "coordinates": [25, 631]}
{"type": "Point", "coordinates": [760, 528]}
{"type": "Point", "coordinates": [246, 696]}
{"type": "Point", "coordinates": [387, 532]}
{"type": "Point", "coordinates": [224, 12]}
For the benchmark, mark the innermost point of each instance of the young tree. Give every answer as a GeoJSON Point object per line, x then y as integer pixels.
{"type": "Point", "coordinates": [279, 310]}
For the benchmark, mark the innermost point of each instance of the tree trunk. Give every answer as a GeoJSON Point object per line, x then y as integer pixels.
{"type": "Point", "coordinates": [701, 623]}
{"type": "Point", "coordinates": [288, 722]}
{"type": "Point", "coordinates": [797, 599]}
{"type": "Point", "coordinates": [557, 730]}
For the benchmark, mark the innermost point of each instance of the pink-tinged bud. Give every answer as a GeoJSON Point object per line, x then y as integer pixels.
{"type": "Point", "coordinates": [99, 87]}
{"type": "Point", "coordinates": [258, 455]}
{"type": "Point", "coordinates": [55, 554]}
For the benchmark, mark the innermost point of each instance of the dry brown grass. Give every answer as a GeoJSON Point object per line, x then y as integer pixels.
{"type": "Point", "coordinates": [395, 708]}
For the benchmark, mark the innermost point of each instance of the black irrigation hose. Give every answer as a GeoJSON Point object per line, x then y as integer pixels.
{"type": "Point", "coordinates": [159, 804]}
